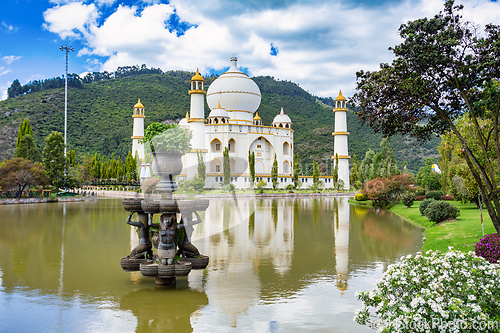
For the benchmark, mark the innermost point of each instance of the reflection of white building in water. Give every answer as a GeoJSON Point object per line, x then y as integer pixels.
{"type": "Point", "coordinates": [341, 230]}
{"type": "Point", "coordinates": [233, 122]}
{"type": "Point", "coordinates": [237, 238]}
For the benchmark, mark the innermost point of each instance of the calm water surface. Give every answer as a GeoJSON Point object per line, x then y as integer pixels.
{"type": "Point", "coordinates": [287, 265]}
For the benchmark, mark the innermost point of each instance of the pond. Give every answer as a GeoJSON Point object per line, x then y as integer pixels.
{"type": "Point", "coordinates": [276, 265]}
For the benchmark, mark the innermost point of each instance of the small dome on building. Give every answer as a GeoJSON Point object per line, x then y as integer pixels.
{"type": "Point", "coordinates": [257, 117]}
{"type": "Point", "coordinates": [139, 104]}
{"type": "Point", "coordinates": [197, 76]}
{"type": "Point", "coordinates": [340, 97]}
{"type": "Point", "coordinates": [218, 112]}
{"type": "Point", "coordinates": [282, 119]}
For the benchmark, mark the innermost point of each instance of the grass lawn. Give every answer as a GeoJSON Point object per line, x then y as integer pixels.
{"type": "Point", "coordinates": [462, 234]}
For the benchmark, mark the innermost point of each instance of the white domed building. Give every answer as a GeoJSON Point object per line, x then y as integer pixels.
{"type": "Point", "coordinates": [233, 99]}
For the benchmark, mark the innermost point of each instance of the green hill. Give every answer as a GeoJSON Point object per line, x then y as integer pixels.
{"type": "Point", "coordinates": [100, 117]}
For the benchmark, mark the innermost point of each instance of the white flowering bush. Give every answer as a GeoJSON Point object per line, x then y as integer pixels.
{"type": "Point", "coordinates": [435, 292]}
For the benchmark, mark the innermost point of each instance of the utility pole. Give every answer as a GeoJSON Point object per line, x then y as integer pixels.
{"type": "Point", "coordinates": [67, 49]}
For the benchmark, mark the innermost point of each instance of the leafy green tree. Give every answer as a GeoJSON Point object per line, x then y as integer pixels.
{"type": "Point", "coordinates": [130, 167]}
{"type": "Point", "coordinates": [427, 178]}
{"type": "Point", "coordinates": [315, 172]}
{"type": "Point", "coordinates": [336, 169]}
{"type": "Point", "coordinates": [24, 128]}
{"type": "Point", "coordinates": [367, 166]}
{"type": "Point", "coordinates": [226, 167]}
{"type": "Point", "coordinates": [296, 168]}
{"type": "Point", "coordinates": [27, 149]}
{"type": "Point", "coordinates": [19, 174]}
{"type": "Point", "coordinates": [354, 175]}
{"type": "Point", "coordinates": [71, 158]}
{"type": "Point", "coordinates": [251, 165]}
{"type": "Point", "coordinates": [53, 158]}
{"type": "Point", "coordinates": [15, 89]}
{"type": "Point", "coordinates": [274, 173]}
{"type": "Point", "coordinates": [384, 163]}
{"type": "Point", "coordinates": [444, 68]}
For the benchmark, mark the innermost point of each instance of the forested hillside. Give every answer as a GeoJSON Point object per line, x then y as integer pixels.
{"type": "Point", "coordinates": [99, 116]}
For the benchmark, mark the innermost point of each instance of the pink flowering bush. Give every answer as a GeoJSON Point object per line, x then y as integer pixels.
{"type": "Point", "coordinates": [489, 248]}
{"type": "Point", "coordinates": [435, 292]}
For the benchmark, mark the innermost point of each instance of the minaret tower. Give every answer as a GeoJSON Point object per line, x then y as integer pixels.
{"type": "Point", "coordinates": [138, 131]}
{"type": "Point", "coordinates": [340, 139]}
{"type": "Point", "coordinates": [196, 122]}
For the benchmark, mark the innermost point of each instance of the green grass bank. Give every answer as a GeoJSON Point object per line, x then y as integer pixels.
{"type": "Point", "coordinates": [462, 233]}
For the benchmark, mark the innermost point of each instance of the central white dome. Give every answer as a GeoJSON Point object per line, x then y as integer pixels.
{"type": "Point", "coordinates": [235, 91]}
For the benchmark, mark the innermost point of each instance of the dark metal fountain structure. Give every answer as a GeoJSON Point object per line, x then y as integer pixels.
{"type": "Point", "coordinates": [176, 256]}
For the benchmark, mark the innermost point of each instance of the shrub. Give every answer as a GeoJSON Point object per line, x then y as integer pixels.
{"type": "Point", "coordinates": [434, 195]}
{"type": "Point", "coordinates": [453, 288]}
{"type": "Point", "coordinates": [441, 210]}
{"type": "Point", "coordinates": [419, 191]}
{"type": "Point", "coordinates": [419, 197]}
{"type": "Point", "coordinates": [424, 204]}
{"type": "Point", "coordinates": [360, 197]}
{"type": "Point", "coordinates": [407, 199]}
{"type": "Point", "coordinates": [489, 248]}
{"type": "Point", "coordinates": [386, 192]}
{"type": "Point", "coordinates": [447, 198]}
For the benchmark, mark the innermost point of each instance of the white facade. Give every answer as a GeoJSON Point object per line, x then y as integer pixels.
{"type": "Point", "coordinates": [340, 134]}
{"type": "Point", "coordinates": [233, 98]}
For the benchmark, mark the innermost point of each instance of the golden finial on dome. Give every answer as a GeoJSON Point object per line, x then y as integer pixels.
{"type": "Point", "coordinates": [257, 116]}
{"type": "Point", "coordinates": [218, 105]}
{"type": "Point", "coordinates": [197, 76]}
{"type": "Point", "coordinates": [340, 97]}
{"type": "Point", "coordinates": [139, 104]}
{"type": "Point", "coordinates": [187, 115]}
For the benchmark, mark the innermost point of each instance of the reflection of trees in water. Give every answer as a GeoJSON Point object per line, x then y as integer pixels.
{"type": "Point", "coordinates": [163, 309]}
{"type": "Point", "coordinates": [382, 234]}
{"type": "Point", "coordinates": [31, 238]}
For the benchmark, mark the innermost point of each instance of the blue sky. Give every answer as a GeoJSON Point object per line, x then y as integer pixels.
{"type": "Point", "coordinates": [319, 44]}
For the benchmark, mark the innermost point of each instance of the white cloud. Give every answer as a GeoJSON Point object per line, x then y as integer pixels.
{"type": "Point", "coordinates": [321, 44]}
{"type": "Point", "coordinates": [11, 58]}
{"type": "Point", "coordinates": [9, 27]}
{"type": "Point", "coordinates": [4, 71]}
{"type": "Point", "coordinates": [71, 20]}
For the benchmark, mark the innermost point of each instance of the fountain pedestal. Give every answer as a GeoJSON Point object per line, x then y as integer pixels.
{"type": "Point", "coordinates": [176, 256]}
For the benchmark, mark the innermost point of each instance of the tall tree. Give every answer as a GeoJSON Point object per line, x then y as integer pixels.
{"type": "Point", "coordinates": [251, 165]}
{"type": "Point", "coordinates": [444, 68]}
{"type": "Point", "coordinates": [354, 175]}
{"type": "Point", "coordinates": [296, 168]}
{"type": "Point", "coordinates": [226, 167]}
{"type": "Point", "coordinates": [20, 173]}
{"type": "Point", "coordinates": [336, 169]}
{"type": "Point", "coordinates": [366, 167]}
{"type": "Point", "coordinates": [274, 173]}
{"type": "Point", "coordinates": [202, 168]}
{"type": "Point", "coordinates": [130, 167]}
{"type": "Point", "coordinates": [315, 173]}
{"type": "Point", "coordinates": [27, 149]}
{"type": "Point", "coordinates": [53, 158]}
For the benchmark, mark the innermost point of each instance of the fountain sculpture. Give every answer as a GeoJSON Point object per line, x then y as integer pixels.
{"type": "Point", "coordinates": [176, 256]}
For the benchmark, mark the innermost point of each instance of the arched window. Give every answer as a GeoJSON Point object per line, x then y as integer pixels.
{"type": "Point", "coordinates": [216, 145]}
{"type": "Point", "coordinates": [231, 146]}
{"type": "Point", "coordinates": [286, 148]}
{"type": "Point", "coordinates": [286, 167]}
{"type": "Point", "coordinates": [215, 166]}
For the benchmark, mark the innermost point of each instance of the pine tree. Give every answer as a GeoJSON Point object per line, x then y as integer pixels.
{"type": "Point", "coordinates": [202, 168]}
{"type": "Point", "coordinates": [53, 158]}
{"type": "Point", "coordinates": [251, 165]}
{"type": "Point", "coordinates": [227, 167]}
{"type": "Point", "coordinates": [274, 173]}
{"type": "Point", "coordinates": [336, 169]}
{"type": "Point", "coordinates": [296, 167]}
{"type": "Point", "coordinates": [315, 173]}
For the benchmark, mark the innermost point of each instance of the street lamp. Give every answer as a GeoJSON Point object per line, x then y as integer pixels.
{"type": "Point", "coordinates": [65, 48]}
